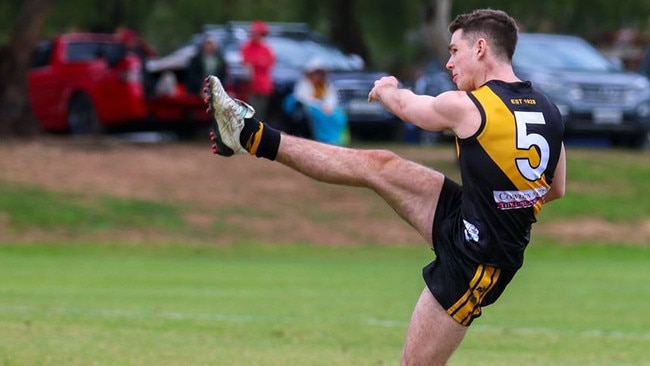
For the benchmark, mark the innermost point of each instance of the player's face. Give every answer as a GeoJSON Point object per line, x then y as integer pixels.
{"type": "Point", "coordinates": [462, 62]}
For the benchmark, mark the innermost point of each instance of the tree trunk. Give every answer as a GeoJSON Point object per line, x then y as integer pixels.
{"type": "Point", "coordinates": [15, 113]}
{"type": "Point", "coordinates": [441, 23]}
{"type": "Point", "coordinates": [435, 30]}
{"type": "Point", "coordinates": [346, 30]}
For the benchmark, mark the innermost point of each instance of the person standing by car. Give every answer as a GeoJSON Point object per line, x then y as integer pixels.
{"type": "Point", "coordinates": [133, 45]}
{"type": "Point", "coordinates": [207, 61]}
{"type": "Point", "coordinates": [261, 59]}
{"type": "Point", "coordinates": [319, 99]}
{"type": "Point", "coordinates": [511, 157]}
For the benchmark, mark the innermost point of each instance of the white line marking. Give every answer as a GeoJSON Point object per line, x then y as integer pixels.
{"type": "Point", "coordinates": [246, 318]}
{"type": "Point", "coordinates": [596, 333]}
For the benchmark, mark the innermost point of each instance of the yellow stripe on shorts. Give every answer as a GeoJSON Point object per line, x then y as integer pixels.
{"type": "Point", "coordinates": [468, 306]}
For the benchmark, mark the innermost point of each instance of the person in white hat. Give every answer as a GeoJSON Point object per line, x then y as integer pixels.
{"type": "Point", "coordinates": [319, 97]}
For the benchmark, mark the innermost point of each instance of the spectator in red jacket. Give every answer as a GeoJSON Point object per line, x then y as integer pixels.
{"type": "Point", "coordinates": [259, 56]}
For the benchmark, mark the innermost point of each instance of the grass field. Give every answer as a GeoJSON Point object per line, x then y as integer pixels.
{"type": "Point", "coordinates": [303, 305]}
{"type": "Point", "coordinates": [579, 300]}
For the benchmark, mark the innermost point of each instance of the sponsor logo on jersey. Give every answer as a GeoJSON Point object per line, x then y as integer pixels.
{"type": "Point", "coordinates": [508, 200]}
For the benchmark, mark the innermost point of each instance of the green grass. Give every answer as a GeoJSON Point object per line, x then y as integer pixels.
{"type": "Point", "coordinates": [273, 304]}
{"type": "Point", "coordinates": [29, 207]}
{"type": "Point", "coordinates": [304, 305]}
{"type": "Point", "coordinates": [609, 184]}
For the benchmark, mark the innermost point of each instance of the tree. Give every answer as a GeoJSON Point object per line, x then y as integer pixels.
{"type": "Point", "coordinates": [346, 30]}
{"type": "Point", "coordinates": [15, 116]}
{"type": "Point", "coordinates": [436, 35]}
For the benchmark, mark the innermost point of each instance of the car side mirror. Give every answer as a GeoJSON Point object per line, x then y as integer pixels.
{"type": "Point", "coordinates": [617, 62]}
{"type": "Point", "coordinates": [357, 61]}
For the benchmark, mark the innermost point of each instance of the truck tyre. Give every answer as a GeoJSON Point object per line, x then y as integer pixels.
{"type": "Point", "coordinates": [82, 117]}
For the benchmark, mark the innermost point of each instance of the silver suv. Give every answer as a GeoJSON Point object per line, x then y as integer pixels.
{"type": "Point", "coordinates": [594, 94]}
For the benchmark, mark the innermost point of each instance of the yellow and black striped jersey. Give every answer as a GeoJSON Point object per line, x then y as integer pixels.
{"type": "Point", "coordinates": [507, 167]}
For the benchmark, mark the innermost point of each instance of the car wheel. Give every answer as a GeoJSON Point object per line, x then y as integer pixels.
{"type": "Point", "coordinates": [396, 132]}
{"type": "Point", "coordinates": [640, 140]}
{"type": "Point", "coordinates": [645, 141]}
{"type": "Point", "coordinates": [82, 117]}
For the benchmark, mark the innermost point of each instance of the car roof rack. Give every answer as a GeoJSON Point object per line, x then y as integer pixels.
{"type": "Point", "coordinates": [274, 27]}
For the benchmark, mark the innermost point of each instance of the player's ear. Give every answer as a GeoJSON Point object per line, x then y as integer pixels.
{"type": "Point", "coordinates": [480, 45]}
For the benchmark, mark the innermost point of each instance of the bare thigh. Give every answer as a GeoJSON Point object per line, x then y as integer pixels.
{"type": "Point", "coordinates": [432, 335]}
{"type": "Point", "coordinates": [411, 189]}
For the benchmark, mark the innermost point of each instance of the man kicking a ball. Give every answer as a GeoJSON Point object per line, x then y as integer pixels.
{"type": "Point", "coordinates": [511, 157]}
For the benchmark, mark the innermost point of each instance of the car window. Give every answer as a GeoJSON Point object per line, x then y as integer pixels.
{"type": "Point", "coordinates": [560, 53]}
{"type": "Point", "coordinates": [295, 53]}
{"type": "Point", "coordinates": [85, 51]}
{"type": "Point", "coordinates": [292, 49]}
{"type": "Point", "coordinates": [41, 55]}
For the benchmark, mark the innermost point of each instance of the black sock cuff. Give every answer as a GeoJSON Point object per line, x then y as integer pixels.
{"type": "Point", "coordinates": [269, 143]}
{"type": "Point", "coordinates": [264, 145]}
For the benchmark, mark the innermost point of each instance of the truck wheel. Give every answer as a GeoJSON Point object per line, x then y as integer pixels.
{"type": "Point", "coordinates": [82, 117]}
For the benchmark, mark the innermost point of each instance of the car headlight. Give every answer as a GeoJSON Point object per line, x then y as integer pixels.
{"type": "Point", "coordinates": [564, 109]}
{"type": "Point", "coordinates": [641, 83]}
{"type": "Point", "coordinates": [547, 84]}
{"type": "Point", "coordinates": [639, 89]}
{"type": "Point", "coordinates": [575, 92]}
{"type": "Point", "coordinates": [551, 85]}
{"type": "Point", "coordinates": [643, 110]}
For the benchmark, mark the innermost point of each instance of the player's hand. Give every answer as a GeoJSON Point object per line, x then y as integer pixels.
{"type": "Point", "coordinates": [383, 83]}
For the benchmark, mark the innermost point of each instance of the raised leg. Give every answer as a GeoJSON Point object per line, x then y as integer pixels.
{"type": "Point", "coordinates": [411, 189]}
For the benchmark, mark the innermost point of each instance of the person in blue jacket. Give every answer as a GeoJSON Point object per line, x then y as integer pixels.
{"type": "Point", "coordinates": [319, 98]}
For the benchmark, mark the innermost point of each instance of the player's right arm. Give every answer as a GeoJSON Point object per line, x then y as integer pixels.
{"type": "Point", "coordinates": [451, 110]}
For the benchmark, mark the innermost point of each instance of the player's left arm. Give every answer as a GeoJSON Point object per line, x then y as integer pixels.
{"type": "Point", "coordinates": [558, 187]}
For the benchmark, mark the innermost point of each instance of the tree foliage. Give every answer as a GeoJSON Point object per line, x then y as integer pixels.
{"type": "Point", "coordinates": [382, 24]}
{"type": "Point", "coordinates": [588, 18]}
{"type": "Point", "coordinates": [389, 35]}
{"type": "Point", "coordinates": [383, 31]}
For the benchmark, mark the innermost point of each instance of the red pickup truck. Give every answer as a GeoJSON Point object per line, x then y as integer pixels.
{"type": "Point", "coordinates": [88, 82]}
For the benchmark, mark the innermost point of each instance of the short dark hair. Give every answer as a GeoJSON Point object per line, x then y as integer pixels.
{"type": "Point", "coordinates": [496, 26]}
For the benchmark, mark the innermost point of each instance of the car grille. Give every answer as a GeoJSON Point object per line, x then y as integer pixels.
{"type": "Point", "coordinates": [604, 94]}
{"type": "Point", "coordinates": [356, 105]}
{"type": "Point", "coordinates": [350, 94]}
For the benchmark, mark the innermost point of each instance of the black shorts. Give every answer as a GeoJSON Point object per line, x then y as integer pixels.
{"type": "Point", "coordinates": [460, 284]}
